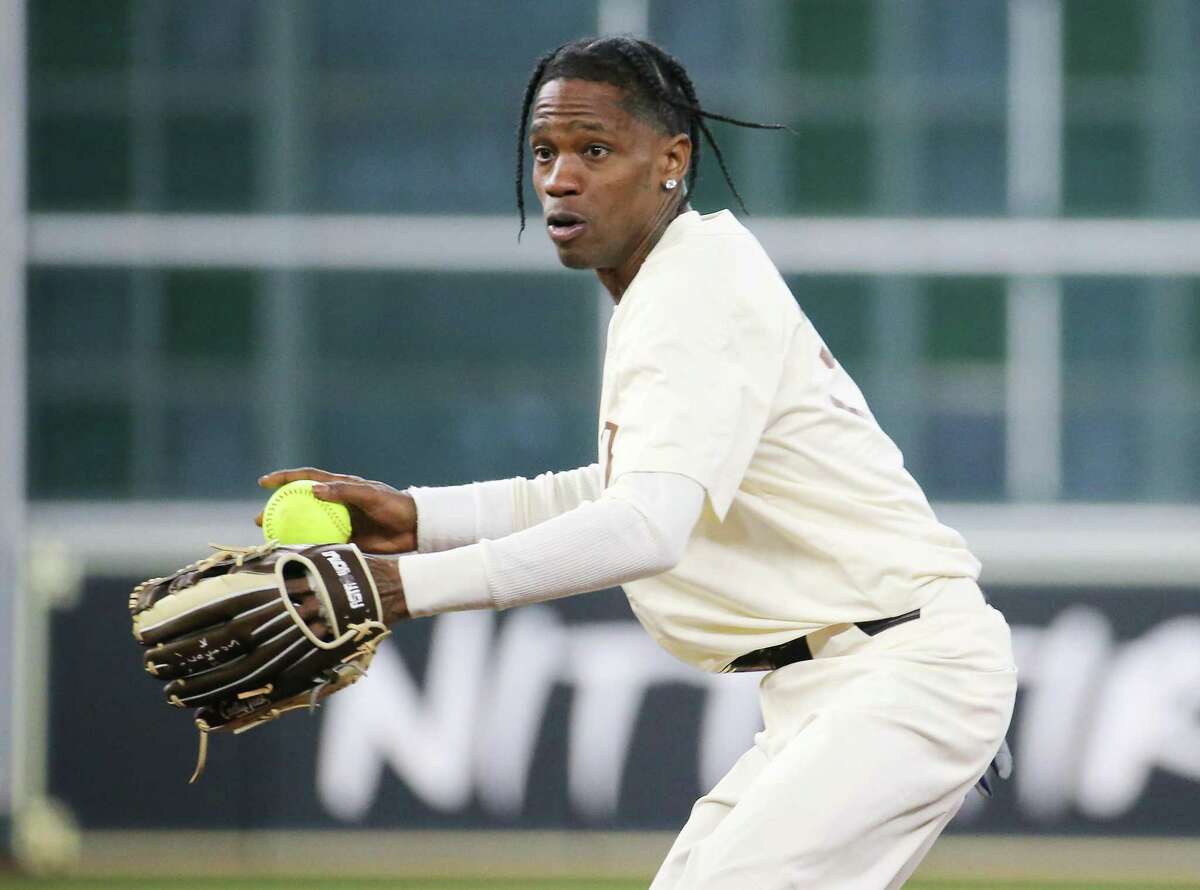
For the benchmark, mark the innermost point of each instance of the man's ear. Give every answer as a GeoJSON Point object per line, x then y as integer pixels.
{"type": "Point", "coordinates": [677, 157]}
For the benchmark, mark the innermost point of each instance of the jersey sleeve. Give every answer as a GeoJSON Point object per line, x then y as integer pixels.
{"type": "Point", "coordinates": [695, 368]}
{"type": "Point", "coordinates": [458, 515]}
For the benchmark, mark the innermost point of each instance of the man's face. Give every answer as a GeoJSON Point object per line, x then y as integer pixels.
{"type": "Point", "coordinates": [598, 171]}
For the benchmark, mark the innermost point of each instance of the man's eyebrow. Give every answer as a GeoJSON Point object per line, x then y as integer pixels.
{"type": "Point", "coordinates": [538, 127]}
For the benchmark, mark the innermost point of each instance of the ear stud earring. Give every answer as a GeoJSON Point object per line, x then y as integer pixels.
{"type": "Point", "coordinates": [670, 184]}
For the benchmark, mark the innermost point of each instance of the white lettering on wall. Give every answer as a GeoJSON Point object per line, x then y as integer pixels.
{"type": "Point", "coordinates": [1096, 718]}
{"type": "Point", "coordinates": [475, 728]}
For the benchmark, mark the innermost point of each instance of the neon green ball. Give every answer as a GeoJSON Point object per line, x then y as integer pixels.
{"type": "Point", "coordinates": [294, 515]}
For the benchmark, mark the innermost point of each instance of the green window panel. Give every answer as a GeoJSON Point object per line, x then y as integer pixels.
{"type": "Point", "coordinates": [471, 376]}
{"type": "Point", "coordinates": [1193, 325]}
{"type": "Point", "coordinates": [215, 449]}
{"type": "Point", "coordinates": [79, 312]}
{"type": "Point", "coordinates": [829, 37]}
{"type": "Point", "coordinates": [963, 456]}
{"type": "Point", "coordinates": [964, 39]}
{"type": "Point", "coordinates": [214, 35]}
{"type": "Point", "coordinates": [965, 320]}
{"type": "Point", "coordinates": [378, 161]}
{"type": "Point", "coordinates": [1104, 169]}
{"type": "Point", "coordinates": [839, 307]}
{"type": "Point", "coordinates": [1104, 320]}
{"type": "Point", "coordinates": [80, 449]}
{"type": "Point", "coordinates": [829, 170]}
{"type": "Point", "coordinates": [1104, 38]}
{"type": "Point", "coordinates": [705, 35]}
{"type": "Point", "coordinates": [454, 435]}
{"type": "Point", "coordinates": [210, 314]}
{"type": "Point", "coordinates": [963, 347]}
{"type": "Point", "coordinates": [1104, 453]}
{"type": "Point", "coordinates": [446, 41]}
{"type": "Point", "coordinates": [965, 169]}
{"type": "Point", "coordinates": [1104, 328]}
{"type": "Point", "coordinates": [210, 162]}
{"type": "Point", "coordinates": [80, 36]}
{"type": "Point", "coordinates": [393, 318]}
{"type": "Point", "coordinates": [380, 144]}
{"type": "Point", "coordinates": [80, 162]}
{"type": "Point", "coordinates": [421, 378]}
{"type": "Point", "coordinates": [712, 192]}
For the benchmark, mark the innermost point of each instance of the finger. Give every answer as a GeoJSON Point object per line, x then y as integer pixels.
{"type": "Point", "coordinates": [356, 494]}
{"type": "Point", "coordinates": [162, 622]}
{"type": "Point", "coordinates": [273, 645]}
{"type": "Point", "coordinates": [237, 676]}
{"type": "Point", "coordinates": [258, 520]}
{"type": "Point", "coordinates": [277, 478]}
{"type": "Point", "coordinates": [215, 646]}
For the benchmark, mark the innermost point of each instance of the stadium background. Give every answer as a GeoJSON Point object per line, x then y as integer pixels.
{"type": "Point", "coordinates": [991, 211]}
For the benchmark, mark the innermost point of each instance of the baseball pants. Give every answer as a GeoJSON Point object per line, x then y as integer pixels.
{"type": "Point", "coordinates": [868, 751]}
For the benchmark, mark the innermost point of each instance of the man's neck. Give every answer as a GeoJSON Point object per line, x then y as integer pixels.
{"type": "Point", "coordinates": [617, 280]}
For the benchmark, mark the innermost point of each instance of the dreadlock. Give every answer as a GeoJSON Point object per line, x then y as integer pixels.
{"type": "Point", "coordinates": [658, 90]}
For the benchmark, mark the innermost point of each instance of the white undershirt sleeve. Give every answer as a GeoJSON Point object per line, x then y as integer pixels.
{"type": "Point", "coordinates": [458, 515]}
{"type": "Point", "coordinates": [639, 527]}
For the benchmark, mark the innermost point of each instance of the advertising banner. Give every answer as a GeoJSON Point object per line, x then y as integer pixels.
{"type": "Point", "coordinates": [567, 715]}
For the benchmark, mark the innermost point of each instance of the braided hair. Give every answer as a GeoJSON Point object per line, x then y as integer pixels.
{"type": "Point", "coordinates": [657, 87]}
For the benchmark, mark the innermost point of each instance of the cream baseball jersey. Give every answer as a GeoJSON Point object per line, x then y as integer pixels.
{"type": "Point", "coordinates": [712, 371]}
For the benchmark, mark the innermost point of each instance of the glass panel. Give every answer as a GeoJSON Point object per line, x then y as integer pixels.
{"type": "Point", "coordinates": [1192, 325]}
{"type": "Point", "coordinates": [713, 192]}
{"type": "Point", "coordinates": [963, 457]}
{"type": "Point", "coordinates": [839, 307]}
{"type": "Point", "coordinates": [965, 169]}
{"type": "Point", "coordinates": [214, 449]}
{"type": "Point", "coordinates": [78, 36]}
{"type": "Point", "coordinates": [1104, 336]}
{"type": "Point", "coordinates": [829, 36]}
{"type": "Point", "coordinates": [1104, 37]}
{"type": "Point", "coordinates": [74, 312]}
{"type": "Point", "coordinates": [1103, 169]}
{"type": "Point", "coordinates": [469, 35]}
{"type": "Point", "coordinates": [210, 314]}
{"type": "Point", "coordinates": [381, 145]}
{"type": "Point", "coordinates": [830, 169]}
{"type": "Point", "coordinates": [79, 162]}
{"type": "Point", "coordinates": [966, 320]}
{"type": "Point", "coordinates": [1104, 322]}
{"type": "Point", "coordinates": [384, 163]}
{"type": "Point", "coordinates": [704, 35]}
{"type": "Point", "coordinates": [470, 376]}
{"type": "Point", "coordinates": [965, 39]}
{"type": "Point", "coordinates": [964, 345]}
{"type": "Point", "coordinates": [423, 378]}
{"type": "Point", "coordinates": [209, 162]}
{"type": "Point", "coordinates": [80, 449]}
{"type": "Point", "coordinates": [214, 35]}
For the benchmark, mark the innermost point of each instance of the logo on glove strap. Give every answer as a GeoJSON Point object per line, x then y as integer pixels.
{"type": "Point", "coordinates": [353, 593]}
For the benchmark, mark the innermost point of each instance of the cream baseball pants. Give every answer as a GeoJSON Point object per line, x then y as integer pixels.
{"type": "Point", "coordinates": [867, 753]}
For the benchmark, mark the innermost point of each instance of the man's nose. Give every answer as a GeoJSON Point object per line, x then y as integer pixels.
{"type": "Point", "coordinates": [564, 177]}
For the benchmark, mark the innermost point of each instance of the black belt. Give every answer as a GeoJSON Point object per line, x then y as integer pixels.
{"type": "Point", "coordinates": [774, 657]}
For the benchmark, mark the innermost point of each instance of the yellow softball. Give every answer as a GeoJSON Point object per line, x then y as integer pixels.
{"type": "Point", "coordinates": [294, 515]}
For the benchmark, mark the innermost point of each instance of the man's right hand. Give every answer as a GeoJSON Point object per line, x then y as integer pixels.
{"type": "Point", "coordinates": [382, 519]}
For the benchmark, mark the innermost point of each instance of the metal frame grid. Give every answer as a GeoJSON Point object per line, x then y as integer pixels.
{"type": "Point", "coordinates": [12, 382]}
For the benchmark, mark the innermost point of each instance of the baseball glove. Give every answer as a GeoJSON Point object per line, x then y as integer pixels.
{"type": "Point", "coordinates": [252, 632]}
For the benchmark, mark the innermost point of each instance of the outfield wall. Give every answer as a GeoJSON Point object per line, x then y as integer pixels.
{"type": "Point", "coordinates": [566, 716]}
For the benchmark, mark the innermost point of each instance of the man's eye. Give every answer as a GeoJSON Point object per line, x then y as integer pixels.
{"type": "Point", "coordinates": [541, 153]}
{"type": "Point", "coordinates": [597, 151]}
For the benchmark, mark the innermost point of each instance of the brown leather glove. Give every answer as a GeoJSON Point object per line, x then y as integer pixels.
{"type": "Point", "coordinates": [250, 633]}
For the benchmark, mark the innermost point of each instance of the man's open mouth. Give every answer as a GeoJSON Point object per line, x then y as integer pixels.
{"type": "Point", "coordinates": [564, 226]}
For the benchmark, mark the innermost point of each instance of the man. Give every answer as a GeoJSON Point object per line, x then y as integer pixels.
{"type": "Point", "coordinates": [745, 497]}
